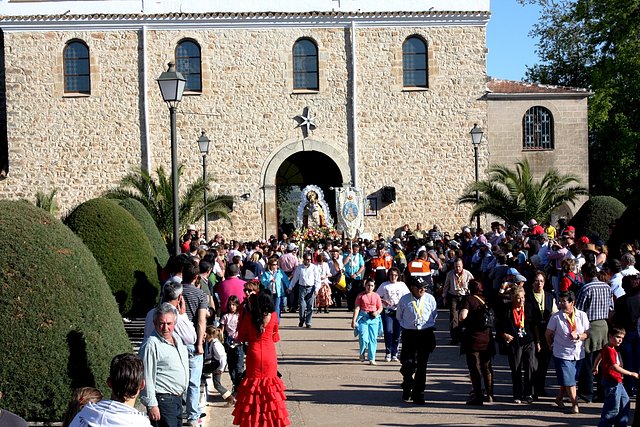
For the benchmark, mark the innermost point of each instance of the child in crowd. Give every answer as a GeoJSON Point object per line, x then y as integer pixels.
{"type": "Point", "coordinates": [215, 362]}
{"type": "Point", "coordinates": [615, 410]}
{"type": "Point", "coordinates": [81, 396]}
{"type": "Point", "coordinates": [234, 349]}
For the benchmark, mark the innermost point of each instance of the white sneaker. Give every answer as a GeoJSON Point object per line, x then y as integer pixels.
{"type": "Point", "coordinates": [372, 362]}
{"type": "Point", "coordinates": [394, 358]}
{"type": "Point", "coordinates": [387, 358]}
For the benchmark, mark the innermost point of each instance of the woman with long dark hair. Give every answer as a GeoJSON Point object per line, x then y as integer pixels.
{"type": "Point", "coordinates": [260, 399]}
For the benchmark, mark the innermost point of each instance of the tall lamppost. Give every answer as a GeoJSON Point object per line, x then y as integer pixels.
{"type": "Point", "coordinates": [203, 144]}
{"type": "Point", "coordinates": [476, 138]}
{"type": "Point", "coordinates": [172, 85]}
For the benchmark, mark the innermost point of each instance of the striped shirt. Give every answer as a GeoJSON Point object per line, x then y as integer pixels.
{"type": "Point", "coordinates": [596, 299]}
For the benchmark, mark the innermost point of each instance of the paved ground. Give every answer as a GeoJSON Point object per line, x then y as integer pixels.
{"type": "Point", "coordinates": [328, 386]}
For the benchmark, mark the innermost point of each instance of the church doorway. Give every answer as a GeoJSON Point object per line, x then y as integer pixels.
{"type": "Point", "coordinates": [296, 172]}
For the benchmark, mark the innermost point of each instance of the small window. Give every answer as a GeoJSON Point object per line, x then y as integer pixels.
{"type": "Point", "coordinates": [414, 63]}
{"type": "Point", "coordinates": [189, 65]}
{"type": "Point", "coordinates": [77, 78]}
{"type": "Point", "coordinates": [537, 129]}
{"type": "Point", "coordinates": [305, 65]}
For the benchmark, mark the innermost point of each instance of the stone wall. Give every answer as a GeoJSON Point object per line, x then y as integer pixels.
{"type": "Point", "coordinates": [571, 149]}
{"type": "Point", "coordinates": [414, 140]}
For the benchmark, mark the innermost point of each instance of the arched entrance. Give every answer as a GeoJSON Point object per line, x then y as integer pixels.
{"type": "Point", "coordinates": [297, 171]}
{"type": "Point", "coordinates": [292, 167]}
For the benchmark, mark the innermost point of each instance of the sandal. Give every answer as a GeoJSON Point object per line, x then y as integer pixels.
{"type": "Point", "coordinates": [559, 402]}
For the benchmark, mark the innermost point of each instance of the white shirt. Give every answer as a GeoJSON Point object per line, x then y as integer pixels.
{"type": "Point", "coordinates": [306, 276]}
{"type": "Point", "coordinates": [184, 327]}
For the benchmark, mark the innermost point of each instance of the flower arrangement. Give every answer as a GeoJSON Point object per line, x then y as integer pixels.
{"type": "Point", "coordinates": [314, 235]}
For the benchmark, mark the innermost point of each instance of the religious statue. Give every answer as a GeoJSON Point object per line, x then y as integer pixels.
{"type": "Point", "coordinates": [313, 215]}
{"type": "Point", "coordinates": [313, 209]}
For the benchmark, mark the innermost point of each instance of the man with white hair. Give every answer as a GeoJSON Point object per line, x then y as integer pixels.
{"type": "Point", "coordinates": [166, 369]}
{"type": "Point", "coordinates": [628, 262]}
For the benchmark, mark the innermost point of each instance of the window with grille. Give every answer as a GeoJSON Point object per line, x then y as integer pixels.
{"type": "Point", "coordinates": [305, 65]}
{"type": "Point", "coordinates": [77, 78]}
{"type": "Point", "coordinates": [188, 63]}
{"type": "Point", "coordinates": [414, 63]}
{"type": "Point", "coordinates": [537, 129]}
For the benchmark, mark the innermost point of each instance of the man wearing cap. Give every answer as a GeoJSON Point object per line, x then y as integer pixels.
{"type": "Point", "coordinates": [417, 314]}
{"type": "Point", "coordinates": [380, 263]}
{"type": "Point", "coordinates": [455, 288]}
{"type": "Point", "coordinates": [420, 267]}
{"type": "Point", "coordinates": [353, 269]}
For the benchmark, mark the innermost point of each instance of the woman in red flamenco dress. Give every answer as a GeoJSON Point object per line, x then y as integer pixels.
{"type": "Point", "coordinates": [260, 401]}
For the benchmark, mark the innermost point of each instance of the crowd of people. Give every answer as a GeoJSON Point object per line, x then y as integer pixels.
{"type": "Point", "coordinates": [538, 294]}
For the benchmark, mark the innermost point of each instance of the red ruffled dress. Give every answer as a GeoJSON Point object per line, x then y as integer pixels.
{"type": "Point", "coordinates": [260, 401]}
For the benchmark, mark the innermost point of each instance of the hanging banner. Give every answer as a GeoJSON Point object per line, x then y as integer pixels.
{"type": "Point", "coordinates": [349, 209]}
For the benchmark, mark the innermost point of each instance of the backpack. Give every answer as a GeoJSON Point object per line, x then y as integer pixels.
{"type": "Point", "coordinates": [576, 284]}
{"type": "Point", "coordinates": [484, 316]}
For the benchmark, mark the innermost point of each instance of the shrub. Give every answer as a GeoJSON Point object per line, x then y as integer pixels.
{"type": "Point", "coordinates": [122, 250]}
{"type": "Point", "coordinates": [149, 227]}
{"type": "Point", "coordinates": [594, 217]}
{"type": "Point", "coordinates": [61, 325]}
{"type": "Point", "coordinates": [626, 230]}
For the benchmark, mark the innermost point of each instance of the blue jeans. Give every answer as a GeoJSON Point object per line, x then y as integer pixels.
{"type": "Point", "coordinates": [306, 301]}
{"type": "Point", "coordinates": [277, 301]}
{"type": "Point", "coordinates": [630, 352]}
{"type": "Point", "coordinates": [615, 410]}
{"type": "Point", "coordinates": [193, 391]}
{"type": "Point", "coordinates": [235, 362]}
{"type": "Point", "coordinates": [392, 329]}
{"type": "Point", "coordinates": [170, 411]}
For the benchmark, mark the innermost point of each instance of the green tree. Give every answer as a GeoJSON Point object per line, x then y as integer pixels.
{"type": "Point", "coordinates": [514, 195]}
{"type": "Point", "coordinates": [61, 325]}
{"type": "Point", "coordinates": [596, 45]}
{"type": "Point", "coordinates": [156, 195]}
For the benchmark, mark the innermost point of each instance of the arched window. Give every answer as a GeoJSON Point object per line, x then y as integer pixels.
{"type": "Point", "coordinates": [77, 78]}
{"type": "Point", "coordinates": [537, 129]}
{"type": "Point", "coordinates": [305, 65]}
{"type": "Point", "coordinates": [414, 63]}
{"type": "Point", "coordinates": [189, 65]}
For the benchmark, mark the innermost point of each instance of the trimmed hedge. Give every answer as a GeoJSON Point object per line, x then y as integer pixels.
{"type": "Point", "coordinates": [122, 250]}
{"type": "Point", "coordinates": [145, 219]}
{"type": "Point", "coordinates": [627, 229]}
{"type": "Point", "coordinates": [594, 217]}
{"type": "Point", "coordinates": [61, 325]}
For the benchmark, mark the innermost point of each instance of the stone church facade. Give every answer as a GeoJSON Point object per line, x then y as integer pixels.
{"type": "Point", "coordinates": [382, 131]}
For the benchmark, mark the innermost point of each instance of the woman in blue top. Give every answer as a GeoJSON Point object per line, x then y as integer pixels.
{"type": "Point", "coordinates": [276, 281]}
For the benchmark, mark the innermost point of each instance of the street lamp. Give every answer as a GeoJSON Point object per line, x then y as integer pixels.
{"type": "Point", "coordinates": [172, 85]}
{"type": "Point", "coordinates": [476, 138]}
{"type": "Point", "coordinates": [203, 144]}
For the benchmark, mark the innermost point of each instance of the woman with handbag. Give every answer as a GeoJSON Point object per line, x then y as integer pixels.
{"type": "Point", "coordinates": [390, 293]}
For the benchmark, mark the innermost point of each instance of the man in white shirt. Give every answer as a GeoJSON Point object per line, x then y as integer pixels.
{"type": "Point", "coordinates": [628, 262]}
{"type": "Point", "coordinates": [307, 276]}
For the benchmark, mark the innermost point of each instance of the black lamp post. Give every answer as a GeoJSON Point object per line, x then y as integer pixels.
{"type": "Point", "coordinates": [203, 144]}
{"type": "Point", "coordinates": [476, 138]}
{"type": "Point", "coordinates": [172, 85]}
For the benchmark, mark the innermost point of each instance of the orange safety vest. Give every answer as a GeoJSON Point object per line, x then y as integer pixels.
{"type": "Point", "coordinates": [419, 267]}
{"type": "Point", "coordinates": [385, 262]}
